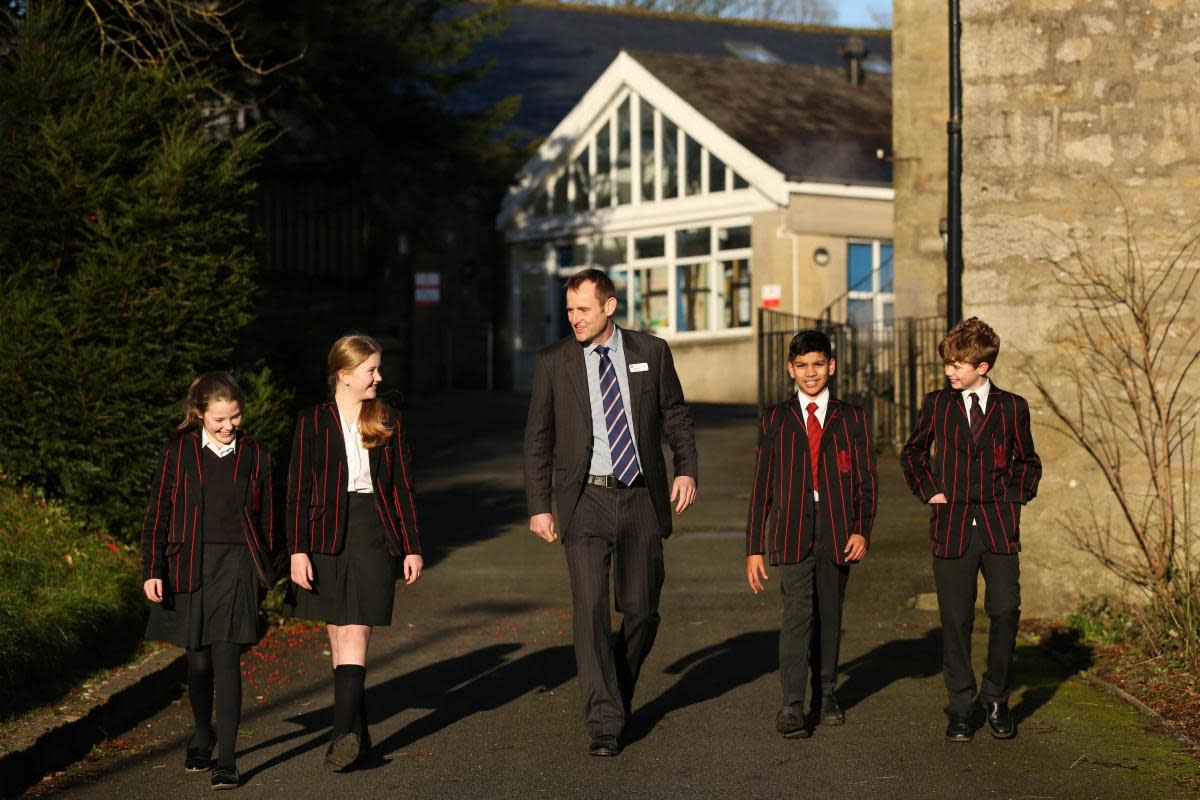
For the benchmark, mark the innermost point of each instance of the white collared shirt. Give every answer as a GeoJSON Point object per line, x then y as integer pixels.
{"type": "Point", "coordinates": [822, 401]}
{"type": "Point", "coordinates": [220, 449]}
{"type": "Point", "coordinates": [358, 462]}
{"type": "Point", "coordinates": [982, 391]}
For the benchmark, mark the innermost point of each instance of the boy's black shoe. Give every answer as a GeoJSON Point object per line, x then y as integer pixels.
{"type": "Point", "coordinates": [831, 712]}
{"type": "Point", "coordinates": [790, 724]}
{"type": "Point", "coordinates": [604, 746]}
{"type": "Point", "coordinates": [960, 729]}
{"type": "Point", "coordinates": [1000, 720]}
{"type": "Point", "coordinates": [198, 759]}
{"type": "Point", "coordinates": [342, 752]}
{"type": "Point", "coordinates": [225, 778]}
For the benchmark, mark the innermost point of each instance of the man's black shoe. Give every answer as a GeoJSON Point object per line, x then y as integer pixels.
{"type": "Point", "coordinates": [790, 724]}
{"type": "Point", "coordinates": [604, 746]}
{"type": "Point", "coordinates": [831, 712]}
{"type": "Point", "coordinates": [342, 752]}
{"type": "Point", "coordinates": [1000, 720]}
{"type": "Point", "coordinates": [198, 760]}
{"type": "Point", "coordinates": [959, 729]}
{"type": "Point", "coordinates": [225, 778]}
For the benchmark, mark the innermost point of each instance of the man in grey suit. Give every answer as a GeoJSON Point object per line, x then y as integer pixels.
{"type": "Point", "coordinates": [602, 402]}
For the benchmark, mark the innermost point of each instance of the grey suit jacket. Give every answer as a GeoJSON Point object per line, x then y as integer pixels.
{"type": "Point", "coordinates": [558, 432]}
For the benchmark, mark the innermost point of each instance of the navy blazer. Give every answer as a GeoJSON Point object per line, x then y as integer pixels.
{"type": "Point", "coordinates": [173, 528]}
{"type": "Point", "coordinates": [991, 478]}
{"type": "Point", "coordinates": [784, 483]}
{"type": "Point", "coordinates": [317, 494]}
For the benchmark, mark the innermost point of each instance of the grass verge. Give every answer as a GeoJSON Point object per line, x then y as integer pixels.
{"type": "Point", "coordinates": [70, 601]}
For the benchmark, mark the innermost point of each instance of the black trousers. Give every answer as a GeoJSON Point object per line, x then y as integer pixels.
{"type": "Point", "coordinates": [813, 590]}
{"type": "Point", "coordinates": [956, 592]}
{"type": "Point", "coordinates": [613, 531]}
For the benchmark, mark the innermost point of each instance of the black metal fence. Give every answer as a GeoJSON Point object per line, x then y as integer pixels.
{"type": "Point", "coordinates": [887, 368]}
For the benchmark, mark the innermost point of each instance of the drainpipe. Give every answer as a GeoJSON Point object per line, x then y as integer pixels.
{"type": "Point", "coordinates": [954, 258]}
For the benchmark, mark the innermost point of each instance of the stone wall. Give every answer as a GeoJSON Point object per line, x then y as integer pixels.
{"type": "Point", "coordinates": [1073, 111]}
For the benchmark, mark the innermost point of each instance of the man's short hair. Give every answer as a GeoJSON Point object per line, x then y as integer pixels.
{"type": "Point", "coordinates": [810, 341]}
{"type": "Point", "coordinates": [605, 288]}
{"type": "Point", "coordinates": [971, 341]}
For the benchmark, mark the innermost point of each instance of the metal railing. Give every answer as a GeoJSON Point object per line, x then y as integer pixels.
{"type": "Point", "coordinates": [887, 368]}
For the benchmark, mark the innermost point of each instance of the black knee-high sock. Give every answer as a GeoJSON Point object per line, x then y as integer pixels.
{"type": "Point", "coordinates": [360, 719]}
{"type": "Point", "coordinates": [200, 696]}
{"type": "Point", "coordinates": [227, 669]}
{"type": "Point", "coordinates": [348, 680]}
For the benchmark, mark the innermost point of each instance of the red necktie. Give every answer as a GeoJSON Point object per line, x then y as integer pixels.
{"type": "Point", "coordinates": [814, 438]}
{"type": "Point", "coordinates": [976, 417]}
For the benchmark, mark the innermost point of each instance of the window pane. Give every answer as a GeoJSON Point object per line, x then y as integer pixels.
{"type": "Point", "coordinates": [692, 183]}
{"type": "Point", "coordinates": [602, 178]}
{"type": "Point", "coordinates": [692, 242]}
{"type": "Point", "coordinates": [624, 154]}
{"type": "Point", "coordinates": [735, 293]}
{"type": "Point", "coordinates": [580, 177]}
{"type": "Point", "coordinates": [861, 312]}
{"type": "Point", "coordinates": [650, 298]}
{"type": "Point", "coordinates": [608, 251]}
{"type": "Point", "coordinates": [733, 238]}
{"type": "Point", "coordinates": [560, 194]}
{"type": "Point", "coordinates": [859, 268]}
{"type": "Point", "coordinates": [716, 174]}
{"type": "Point", "coordinates": [694, 296]}
{"type": "Point", "coordinates": [887, 270]}
{"type": "Point", "coordinates": [569, 255]}
{"type": "Point", "coordinates": [649, 247]}
{"type": "Point", "coordinates": [739, 182]}
{"type": "Point", "coordinates": [889, 313]}
{"type": "Point", "coordinates": [670, 159]}
{"type": "Point", "coordinates": [620, 279]}
{"type": "Point", "coordinates": [647, 134]}
{"type": "Point", "coordinates": [541, 207]}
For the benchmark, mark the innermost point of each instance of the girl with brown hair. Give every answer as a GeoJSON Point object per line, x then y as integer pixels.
{"type": "Point", "coordinates": [350, 518]}
{"type": "Point", "coordinates": [206, 543]}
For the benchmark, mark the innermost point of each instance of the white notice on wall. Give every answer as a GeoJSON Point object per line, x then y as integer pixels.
{"type": "Point", "coordinates": [427, 288]}
{"type": "Point", "coordinates": [772, 293]}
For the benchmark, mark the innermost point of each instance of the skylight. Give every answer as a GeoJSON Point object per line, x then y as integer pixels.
{"type": "Point", "coordinates": [753, 51]}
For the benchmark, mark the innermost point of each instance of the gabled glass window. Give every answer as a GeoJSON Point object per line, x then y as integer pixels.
{"type": "Point", "coordinates": [692, 181]}
{"type": "Point", "coordinates": [646, 125]}
{"type": "Point", "coordinates": [716, 174]}
{"type": "Point", "coordinates": [669, 166]}
{"type": "Point", "coordinates": [579, 177]}
{"type": "Point", "coordinates": [603, 177]}
{"type": "Point", "coordinates": [624, 155]}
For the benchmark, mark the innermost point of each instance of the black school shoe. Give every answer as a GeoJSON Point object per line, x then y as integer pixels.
{"type": "Point", "coordinates": [831, 712]}
{"type": "Point", "coordinates": [790, 724]}
{"type": "Point", "coordinates": [198, 760]}
{"type": "Point", "coordinates": [1000, 720]}
{"type": "Point", "coordinates": [604, 747]}
{"type": "Point", "coordinates": [959, 728]}
{"type": "Point", "coordinates": [343, 751]}
{"type": "Point", "coordinates": [225, 778]}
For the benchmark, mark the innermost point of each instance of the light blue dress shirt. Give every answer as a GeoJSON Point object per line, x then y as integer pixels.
{"type": "Point", "coordinates": [601, 455]}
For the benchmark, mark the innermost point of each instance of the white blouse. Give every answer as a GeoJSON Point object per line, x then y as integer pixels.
{"type": "Point", "coordinates": [358, 463]}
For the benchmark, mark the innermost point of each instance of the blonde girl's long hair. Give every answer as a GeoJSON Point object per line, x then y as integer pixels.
{"type": "Point", "coordinates": [346, 354]}
{"type": "Point", "coordinates": [211, 387]}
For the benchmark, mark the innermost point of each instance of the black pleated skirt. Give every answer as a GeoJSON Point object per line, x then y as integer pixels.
{"type": "Point", "coordinates": [224, 609]}
{"type": "Point", "coordinates": [356, 586]}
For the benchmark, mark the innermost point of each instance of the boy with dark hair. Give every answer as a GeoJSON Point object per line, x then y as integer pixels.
{"type": "Point", "coordinates": [812, 505]}
{"type": "Point", "coordinates": [971, 458]}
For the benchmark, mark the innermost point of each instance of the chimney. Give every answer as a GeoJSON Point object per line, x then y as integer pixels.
{"type": "Point", "coordinates": [854, 51]}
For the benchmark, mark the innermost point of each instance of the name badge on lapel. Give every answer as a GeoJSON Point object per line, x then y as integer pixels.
{"type": "Point", "coordinates": [641, 366]}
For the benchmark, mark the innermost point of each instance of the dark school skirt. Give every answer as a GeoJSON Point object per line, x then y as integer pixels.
{"type": "Point", "coordinates": [224, 609]}
{"type": "Point", "coordinates": [356, 586]}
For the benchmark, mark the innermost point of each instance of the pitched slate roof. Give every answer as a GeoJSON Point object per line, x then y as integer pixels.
{"type": "Point", "coordinates": [551, 55]}
{"type": "Point", "coordinates": [808, 122]}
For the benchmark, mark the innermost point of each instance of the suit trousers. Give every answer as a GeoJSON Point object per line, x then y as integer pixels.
{"type": "Point", "coordinates": [813, 591]}
{"type": "Point", "coordinates": [613, 531]}
{"type": "Point", "coordinates": [956, 593]}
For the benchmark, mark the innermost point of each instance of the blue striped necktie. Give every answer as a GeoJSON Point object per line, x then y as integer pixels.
{"type": "Point", "coordinates": [620, 439]}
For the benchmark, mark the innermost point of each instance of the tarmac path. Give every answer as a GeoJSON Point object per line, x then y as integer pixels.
{"type": "Point", "coordinates": [472, 689]}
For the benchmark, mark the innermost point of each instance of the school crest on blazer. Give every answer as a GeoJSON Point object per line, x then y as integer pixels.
{"type": "Point", "coordinates": [781, 497]}
{"type": "Point", "coordinates": [172, 529]}
{"type": "Point", "coordinates": [990, 477]}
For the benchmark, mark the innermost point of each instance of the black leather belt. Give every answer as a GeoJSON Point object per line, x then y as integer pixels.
{"type": "Point", "coordinates": [611, 482]}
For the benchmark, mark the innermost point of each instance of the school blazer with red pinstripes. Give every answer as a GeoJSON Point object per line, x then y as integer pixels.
{"type": "Point", "coordinates": [173, 529]}
{"type": "Point", "coordinates": [997, 475]}
{"type": "Point", "coordinates": [783, 483]}
{"type": "Point", "coordinates": [317, 494]}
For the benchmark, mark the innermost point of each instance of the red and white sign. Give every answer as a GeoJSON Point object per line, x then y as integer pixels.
{"type": "Point", "coordinates": [772, 294]}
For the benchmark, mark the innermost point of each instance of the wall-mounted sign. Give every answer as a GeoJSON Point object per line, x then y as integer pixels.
{"type": "Point", "coordinates": [772, 293]}
{"type": "Point", "coordinates": [427, 288]}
